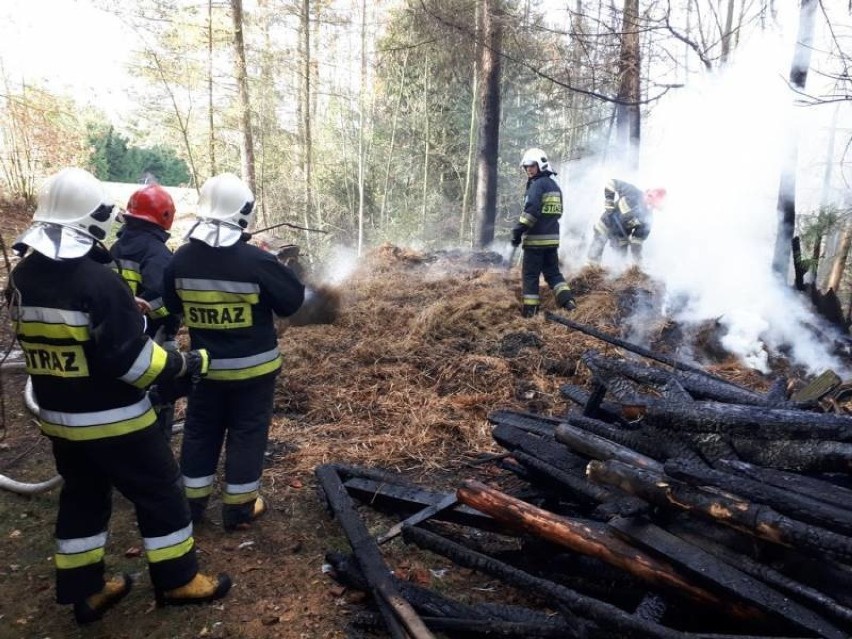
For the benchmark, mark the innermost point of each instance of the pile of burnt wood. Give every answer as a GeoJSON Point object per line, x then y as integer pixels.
{"type": "Point", "coordinates": [666, 503]}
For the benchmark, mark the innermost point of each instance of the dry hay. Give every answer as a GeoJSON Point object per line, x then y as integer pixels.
{"type": "Point", "coordinates": [422, 351]}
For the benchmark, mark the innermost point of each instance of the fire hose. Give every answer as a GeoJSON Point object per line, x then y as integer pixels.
{"type": "Point", "coordinates": [23, 488]}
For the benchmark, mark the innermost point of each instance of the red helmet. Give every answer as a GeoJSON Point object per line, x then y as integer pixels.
{"type": "Point", "coordinates": [655, 197]}
{"type": "Point", "coordinates": [152, 203]}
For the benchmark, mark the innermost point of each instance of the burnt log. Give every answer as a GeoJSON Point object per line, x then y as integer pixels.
{"type": "Point", "coordinates": [538, 424]}
{"type": "Point", "coordinates": [606, 615]}
{"type": "Point", "coordinates": [400, 617]}
{"type": "Point", "coordinates": [592, 539]}
{"type": "Point", "coordinates": [407, 500]}
{"type": "Point", "coordinates": [755, 422]}
{"type": "Point", "coordinates": [796, 455]}
{"type": "Point", "coordinates": [544, 448]}
{"type": "Point", "coordinates": [796, 590]}
{"type": "Point", "coordinates": [720, 577]}
{"type": "Point", "coordinates": [653, 607]}
{"type": "Point", "coordinates": [812, 487]}
{"type": "Point", "coordinates": [648, 440]}
{"type": "Point", "coordinates": [461, 627]}
{"type": "Point", "coordinates": [596, 447]}
{"type": "Point", "coordinates": [606, 411]}
{"type": "Point", "coordinates": [755, 519]}
{"type": "Point", "coordinates": [699, 384]}
{"type": "Point", "coordinates": [785, 502]}
{"type": "Point", "coordinates": [674, 391]}
{"type": "Point", "coordinates": [577, 487]}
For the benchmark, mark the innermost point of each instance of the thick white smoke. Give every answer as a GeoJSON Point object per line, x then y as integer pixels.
{"type": "Point", "coordinates": [717, 146]}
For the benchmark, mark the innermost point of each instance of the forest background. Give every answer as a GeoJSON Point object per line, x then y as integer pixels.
{"type": "Point", "coordinates": [404, 121]}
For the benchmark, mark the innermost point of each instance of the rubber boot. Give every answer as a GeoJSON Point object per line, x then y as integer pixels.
{"type": "Point", "coordinates": [229, 514]}
{"type": "Point", "coordinates": [93, 607]}
{"type": "Point", "coordinates": [201, 589]}
{"type": "Point", "coordinates": [529, 310]}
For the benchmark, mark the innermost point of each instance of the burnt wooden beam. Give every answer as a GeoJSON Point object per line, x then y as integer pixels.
{"type": "Point", "coordinates": [643, 440]}
{"type": "Point", "coordinates": [577, 487]}
{"type": "Point", "coordinates": [755, 519]}
{"type": "Point", "coordinates": [596, 447]}
{"type": "Point", "coordinates": [797, 590]}
{"type": "Point", "coordinates": [699, 384]}
{"type": "Point", "coordinates": [606, 411]}
{"type": "Point", "coordinates": [592, 539]}
{"type": "Point", "coordinates": [756, 422]}
{"type": "Point", "coordinates": [401, 618]}
{"type": "Point", "coordinates": [539, 424]}
{"type": "Point", "coordinates": [720, 577]}
{"type": "Point", "coordinates": [462, 627]}
{"type": "Point", "coordinates": [812, 487]}
{"type": "Point", "coordinates": [789, 503]}
{"type": "Point", "coordinates": [803, 456]}
{"type": "Point", "coordinates": [653, 607]}
{"type": "Point", "coordinates": [409, 500]}
{"type": "Point", "coordinates": [545, 448]}
{"type": "Point", "coordinates": [606, 615]}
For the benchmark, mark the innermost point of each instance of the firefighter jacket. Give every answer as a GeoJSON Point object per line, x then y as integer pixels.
{"type": "Point", "coordinates": [228, 295]}
{"type": "Point", "coordinates": [542, 209]}
{"type": "Point", "coordinates": [85, 348]}
{"type": "Point", "coordinates": [141, 256]}
{"type": "Point", "coordinates": [625, 213]}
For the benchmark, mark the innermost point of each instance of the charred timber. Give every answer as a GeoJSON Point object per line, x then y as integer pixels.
{"type": "Point", "coordinates": [699, 384]}
{"type": "Point", "coordinates": [480, 628]}
{"type": "Point", "coordinates": [604, 614]}
{"type": "Point", "coordinates": [592, 539]}
{"type": "Point", "coordinates": [644, 441]}
{"type": "Point", "coordinates": [577, 487]}
{"type": "Point", "coordinates": [784, 501]}
{"type": "Point", "coordinates": [755, 519]}
{"type": "Point", "coordinates": [818, 489]}
{"type": "Point", "coordinates": [596, 447]}
{"type": "Point", "coordinates": [754, 422]}
{"type": "Point", "coordinates": [538, 424]}
{"type": "Point", "coordinates": [795, 589]}
{"type": "Point", "coordinates": [545, 448]}
{"type": "Point", "coordinates": [606, 411]}
{"type": "Point", "coordinates": [720, 577]}
{"type": "Point", "coordinates": [639, 350]}
{"type": "Point", "coordinates": [796, 455]}
{"type": "Point", "coordinates": [400, 617]}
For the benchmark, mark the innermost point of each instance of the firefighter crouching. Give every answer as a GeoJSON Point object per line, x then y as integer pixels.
{"type": "Point", "coordinates": [229, 292]}
{"type": "Point", "coordinates": [626, 220]}
{"type": "Point", "coordinates": [140, 254]}
{"type": "Point", "coordinates": [90, 362]}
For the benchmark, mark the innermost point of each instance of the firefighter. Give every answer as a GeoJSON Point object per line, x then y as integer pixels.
{"type": "Point", "coordinates": [626, 220]}
{"type": "Point", "coordinates": [140, 254]}
{"type": "Point", "coordinates": [90, 361]}
{"type": "Point", "coordinates": [228, 292]}
{"type": "Point", "coordinates": [538, 230]}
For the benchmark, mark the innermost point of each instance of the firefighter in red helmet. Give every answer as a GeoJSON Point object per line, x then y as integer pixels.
{"type": "Point", "coordinates": [90, 362]}
{"type": "Point", "coordinates": [626, 220]}
{"type": "Point", "coordinates": [140, 255]}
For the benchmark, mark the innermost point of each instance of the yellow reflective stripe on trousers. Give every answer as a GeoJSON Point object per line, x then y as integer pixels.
{"type": "Point", "coordinates": [55, 323]}
{"type": "Point", "coordinates": [171, 546]}
{"type": "Point", "coordinates": [237, 368]}
{"type": "Point", "coordinates": [241, 493]}
{"type": "Point", "coordinates": [148, 364]}
{"type": "Point", "coordinates": [80, 551]}
{"type": "Point", "coordinates": [197, 487]}
{"type": "Point", "coordinates": [98, 424]}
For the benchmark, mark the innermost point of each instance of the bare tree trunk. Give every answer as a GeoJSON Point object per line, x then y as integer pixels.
{"type": "Point", "coordinates": [787, 189]}
{"type": "Point", "coordinates": [247, 141]}
{"type": "Point", "coordinates": [211, 127]}
{"type": "Point", "coordinates": [838, 265]}
{"type": "Point", "coordinates": [726, 34]}
{"type": "Point", "coordinates": [382, 220]}
{"type": "Point", "coordinates": [489, 125]}
{"type": "Point", "coordinates": [426, 142]}
{"type": "Point", "coordinates": [629, 90]}
{"type": "Point", "coordinates": [307, 140]}
{"type": "Point", "coordinates": [471, 134]}
{"type": "Point", "coordinates": [361, 107]}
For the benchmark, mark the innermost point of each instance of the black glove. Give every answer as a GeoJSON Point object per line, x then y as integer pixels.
{"type": "Point", "coordinates": [517, 235]}
{"type": "Point", "coordinates": [195, 364]}
{"type": "Point", "coordinates": [566, 301]}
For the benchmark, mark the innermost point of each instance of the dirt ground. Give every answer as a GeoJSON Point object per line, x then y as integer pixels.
{"type": "Point", "coordinates": [422, 348]}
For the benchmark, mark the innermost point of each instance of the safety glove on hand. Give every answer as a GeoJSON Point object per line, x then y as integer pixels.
{"type": "Point", "coordinates": [517, 235]}
{"type": "Point", "coordinates": [195, 364]}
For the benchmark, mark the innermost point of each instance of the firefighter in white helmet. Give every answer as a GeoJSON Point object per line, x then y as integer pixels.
{"type": "Point", "coordinates": [626, 220]}
{"type": "Point", "coordinates": [229, 293]}
{"type": "Point", "coordinates": [538, 230]}
{"type": "Point", "coordinates": [90, 363]}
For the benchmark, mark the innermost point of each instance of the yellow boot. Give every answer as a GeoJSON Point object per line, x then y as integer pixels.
{"type": "Point", "coordinates": [200, 589]}
{"type": "Point", "coordinates": [258, 509]}
{"type": "Point", "coordinates": [93, 607]}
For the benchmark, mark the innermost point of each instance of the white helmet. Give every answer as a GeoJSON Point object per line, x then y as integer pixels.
{"type": "Point", "coordinates": [73, 213]}
{"type": "Point", "coordinates": [225, 210]}
{"type": "Point", "coordinates": [535, 156]}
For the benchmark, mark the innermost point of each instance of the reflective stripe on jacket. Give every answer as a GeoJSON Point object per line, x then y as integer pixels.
{"type": "Point", "coordinates": [542, 210]}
